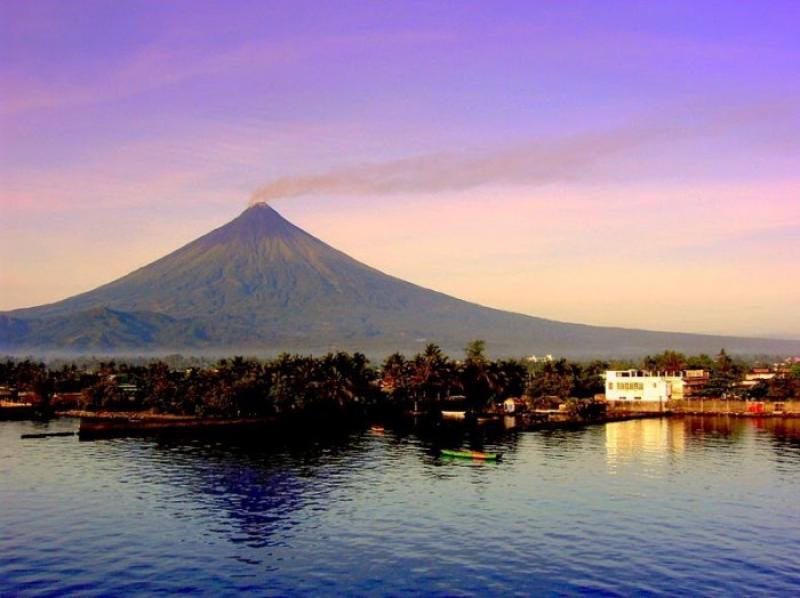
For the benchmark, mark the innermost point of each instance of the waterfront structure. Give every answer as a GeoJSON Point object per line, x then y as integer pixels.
{"type": "Point", "coordinates": [637, 385]}
{"type": "Point", "coordinates": [644, 385]}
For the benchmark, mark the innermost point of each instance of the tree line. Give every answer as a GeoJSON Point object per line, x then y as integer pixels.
{"type": "Point", "coordinates": [336, 382]}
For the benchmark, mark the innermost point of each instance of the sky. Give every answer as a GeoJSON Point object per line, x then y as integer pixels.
{"type": "Point", "coordinates": [632, 164]}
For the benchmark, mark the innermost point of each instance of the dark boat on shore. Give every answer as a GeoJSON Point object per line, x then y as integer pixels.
{"type": "Point", "coordinates": [109, 426]}
{"type": "Point", "coordinates": [16, 411]}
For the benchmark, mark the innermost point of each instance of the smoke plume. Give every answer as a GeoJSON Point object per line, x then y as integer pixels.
{"type": "Point", "coordinates": [535, 162]}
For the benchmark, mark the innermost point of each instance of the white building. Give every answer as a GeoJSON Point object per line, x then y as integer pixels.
{"type": "Point", "coordinates": [638, 385]}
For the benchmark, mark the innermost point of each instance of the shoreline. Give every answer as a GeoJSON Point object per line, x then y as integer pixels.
{"type": "Point", "coordinates": [121, 424]}
{"type": "Point", "coordinates": [117, 424]}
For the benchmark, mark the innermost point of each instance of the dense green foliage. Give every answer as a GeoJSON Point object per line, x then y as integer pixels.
{"type": "Point", "coordinates": [430, 378]}
{"type": "Point", "coordinates": [242, 387]}
{"type": "Point", "coordinates": [336, 382]}
{"type": "Point", "coordinates": [563, 379]}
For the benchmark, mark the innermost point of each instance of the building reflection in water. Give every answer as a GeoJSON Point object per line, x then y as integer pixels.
{"type": "Point", "coordinates": [644, 439]}
{"type": "Point", "coordinates": [657, 440]}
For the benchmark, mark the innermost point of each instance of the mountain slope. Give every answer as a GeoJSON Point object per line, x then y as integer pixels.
{"type": "Point", "coordinates": [261, 284]}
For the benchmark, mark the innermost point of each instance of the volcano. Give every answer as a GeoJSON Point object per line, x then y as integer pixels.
{"type": "Point", "coordinates": [260, 285]}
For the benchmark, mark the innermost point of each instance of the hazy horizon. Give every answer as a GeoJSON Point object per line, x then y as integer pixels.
{"type": "Point", "coordinates": [624, 164]}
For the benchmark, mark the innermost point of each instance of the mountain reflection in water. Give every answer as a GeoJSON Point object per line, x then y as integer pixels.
{"type": "Point", "coordinates": [683, 505]}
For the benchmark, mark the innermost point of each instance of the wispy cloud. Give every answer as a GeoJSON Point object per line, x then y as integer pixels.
{"type": "Point", "coordinates": [161, 64]}
{"type": "Point", "coordinates": [152, 67]}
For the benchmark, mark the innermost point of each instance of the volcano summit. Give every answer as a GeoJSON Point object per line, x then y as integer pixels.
{"type": "Point", "coordinates": [259, 284]}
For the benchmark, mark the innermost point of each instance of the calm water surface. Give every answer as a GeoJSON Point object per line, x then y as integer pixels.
{"type": "Point", "coordinates": [682, 506]}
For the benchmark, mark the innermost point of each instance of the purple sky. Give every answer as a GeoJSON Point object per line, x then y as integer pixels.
{"type": "Point", "coordinates": [624, 163]}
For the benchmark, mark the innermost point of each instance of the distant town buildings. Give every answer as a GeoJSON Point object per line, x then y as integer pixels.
{"type": "Point", "coordinates": [693, 382]}
{"type": "Point", "coordinates": [546, 358]}
{"type": "Point", "coordinates": [755, 376]}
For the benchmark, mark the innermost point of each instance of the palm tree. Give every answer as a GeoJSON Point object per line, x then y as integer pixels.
{"type": "Point", "coordinates": [509, 378]}
{"type": "Point", "coordinates": [668, 361]}
{"type": "Point", "coordinates": [431, 372]}
{"type": "Point", "coordinates": [478, 380]}
{"type": "Point", "coordinates": [475, 350]}
{"type": "Point", "coordinates": [556, 378]}
{"type": "Point", "coordinates": [396, 377]}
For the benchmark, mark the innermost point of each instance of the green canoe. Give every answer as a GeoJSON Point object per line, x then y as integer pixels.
{"type": "Point", "coordinates": [472, 455]}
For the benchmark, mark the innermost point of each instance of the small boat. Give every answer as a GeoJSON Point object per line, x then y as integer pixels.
{"type": "Point", "coordinates": [472, 455]}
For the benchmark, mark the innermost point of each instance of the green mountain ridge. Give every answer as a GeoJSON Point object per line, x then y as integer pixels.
{"type": "Point", "coordinates": [259, 284]}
